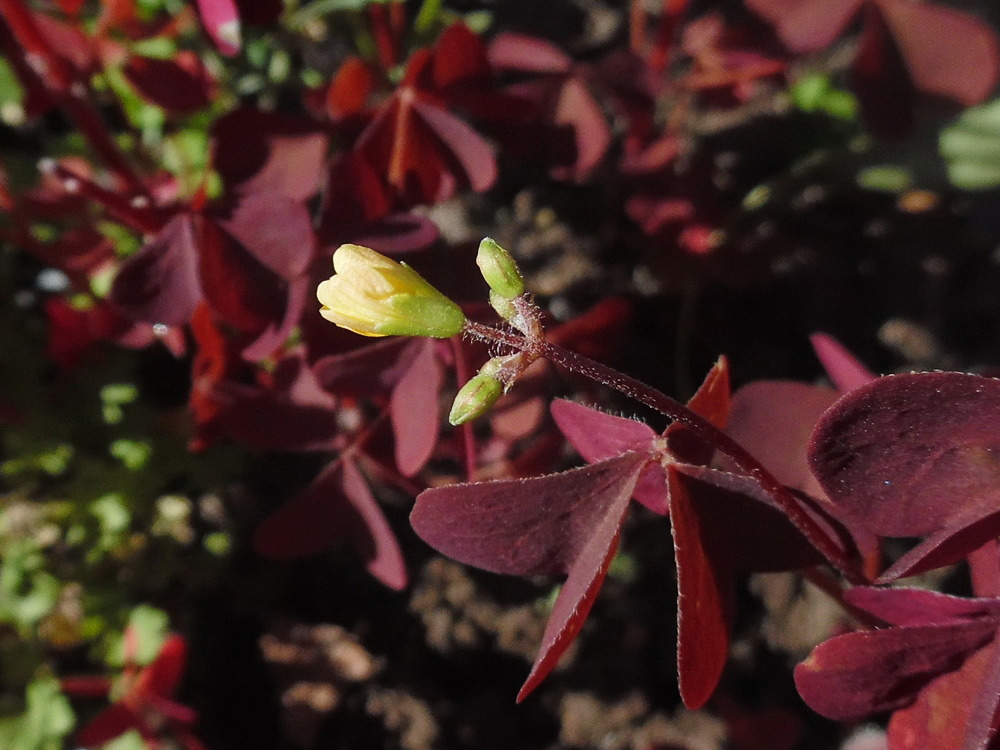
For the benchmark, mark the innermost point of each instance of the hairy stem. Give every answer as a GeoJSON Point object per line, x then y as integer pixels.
{"type": "Point", "coordinates": [704, 429]}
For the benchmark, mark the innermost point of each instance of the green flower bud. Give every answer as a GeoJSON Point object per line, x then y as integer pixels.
{"type": "Point", "coordinates": [499, 270]}
{"type": "Point", "coordinates": [475, 398]}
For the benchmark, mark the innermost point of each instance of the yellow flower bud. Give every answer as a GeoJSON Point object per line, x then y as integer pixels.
{"type": "Point", "coordinates": [374, 295]}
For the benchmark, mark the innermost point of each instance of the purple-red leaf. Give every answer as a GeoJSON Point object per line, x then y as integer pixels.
{"type": "Point", "coordinates": [915, 455]}
{"type": "Point", "coordinates": [257, 151]}
{"type": "Point", "coordinates": [956, 710]}
{"type": "Point", "coordinates": [159, 284]}
{"type": "Point", "coordinates": [181, 85]}
{"type": "Point", "coordinates": [293, 414]}
{"type": "Point", "coordinates": [710, 513]}
{"type": "Point", "coordinates": [807, 25]}
{"type": "Point", "coordinates": [536, 526]}
{"type": "Point", "coordinates": [704, 600]}
{"type": "Point", "coordinates": [275, 229]}
{"type": "Point", "coordinates": [336, 505]}
{"type": "Point", "coordinates": [424, 152]}
{"type": "Point", "coordinates": [948, 53]}
{"type": "Point", "coordinates": [527, 54]}
{"type": "Point", "coordinates": [413, 408]}
{"type": "Point", "coordinates": [858, 674]}
{"type": "Point", "coordinates": [243, 292]}
{"type": "Point", "coordinates": [905, 606]}
{"type": "Point", "coordinates": [773, 420]}
{"type": "Point", "coordinates": [843, 368]}
{"type": "Point", "coordinates": [575, 599]}
{"type": "Point", "coordinates": [113, 721]}
{"type": "Point", "coordinates": [221, 19]}
{"type": "Point", "coordinates": [597, 436]}
{"type": "Point", "coordinates": [560, 523]}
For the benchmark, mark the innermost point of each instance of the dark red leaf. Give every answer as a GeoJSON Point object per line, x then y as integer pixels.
{"type": "Point", "coordinates": [984, 569]}
{"type": "Point", "coordinates": [561, 523]}
{"type": "Point", "coordinates": [954, 711]}
{"type": "Point", "coordinates": [399, 233]}
{"type": "Point", "coordinates": [599, 332]}
{"type": "Point", "coordinates": [906, 606]}
{"type": "Point", "coordinates": [459, 56]}
{"type": "Point", "coordinates": [368, 370]}
{"type": "Point", "coordinates": [881, 79]}
{"type": "Point", "coordinates": [711, 401]}
{"type": "Point", "coordinates": [72, 330]}
{"type": "Point", "coordinates": [293, 414]}
{"type": "Point", "coordinates": [472, 154]}
{"type": "Point", "coordinates": [704, 599]}
{"type": "Point", "coordinates": [533, 526]}
{"type": "Point", "coordinates": [239, 289]}
{"type": "Point", "coordinates": [574, 601]}
{"type": "Point", "coordinates": [424, 152]}
{"type": "Point", "coordinates": [348, 91]}
{"type": "Point", "coordinates": [276, 331]}
{"type": "Point", "coordinates": [907, 455]}
{"type": "Point", "coordinates": [274, 228]}
{"type": "Point", "coordinates": [858, 674]}
{"type": "Point", "coordinates": [710, 512]}
{"type": "Point", "coordinates": [161, 677]}
{"type": "Point", "coordinates": [414, 410]}
{"type": "Point", "coordinates": [371, 535]}
{"type": "Point", "coordinates": [597, 436]}
{"type": "Point", "coordinates": [336, 505]}
{"type": "Point", "coordinates": [774, 420]}
{"type": "Point", "coordinates": [160, 284]}
{"type": "Point", "coordinates": [257, 151]}
{"type": "Point", "coordinates": [113, 721]}
{"type": "Point", "coordinates": [576, 108]}
{"type": "Point", "coordinates": [180, 85]}
{"type": "Point", "coordinates": [354, 197]}
{"type": "Point", "coordinates": [215, 361]}
{"type": "Point", "coordinates": [959, 536]}
{"type": "Point", "coordinates": [88, 687]}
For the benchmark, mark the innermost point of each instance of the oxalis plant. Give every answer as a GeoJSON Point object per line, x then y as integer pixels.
{"type": "Point", "coordinates": [908, 456]}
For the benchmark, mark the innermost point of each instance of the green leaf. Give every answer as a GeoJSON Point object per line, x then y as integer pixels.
{"type": "Point", "coordinates": [150, 626]}
{"type": "Point", "coordinates": [131, 740]}
{"type": "Point", "coordinates": [46, 720]}
{"type": "Point", "coordinates": [885, 178]}
{"type": "Point", "coordinates": [815, 93]}
{"type": "Point", "coordinates": [134, 454]}
{"type": "Point", "coordinates": [971, 148]}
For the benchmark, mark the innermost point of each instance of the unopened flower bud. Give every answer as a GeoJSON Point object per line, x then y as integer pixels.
{"type": "Point", "coordinates": [499, 270]}
{"type": "Point", "coordinates": [475, 398]}
{"type": "Point", "coordinates": [374, 295]}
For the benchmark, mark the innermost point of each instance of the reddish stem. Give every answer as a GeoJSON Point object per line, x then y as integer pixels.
{"type": "Point", "coordinates": [136, 213]}
{"type": "Point", "coordinates": [463, 373]}
{"type": "Point", "coordinates": [708, 432]}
